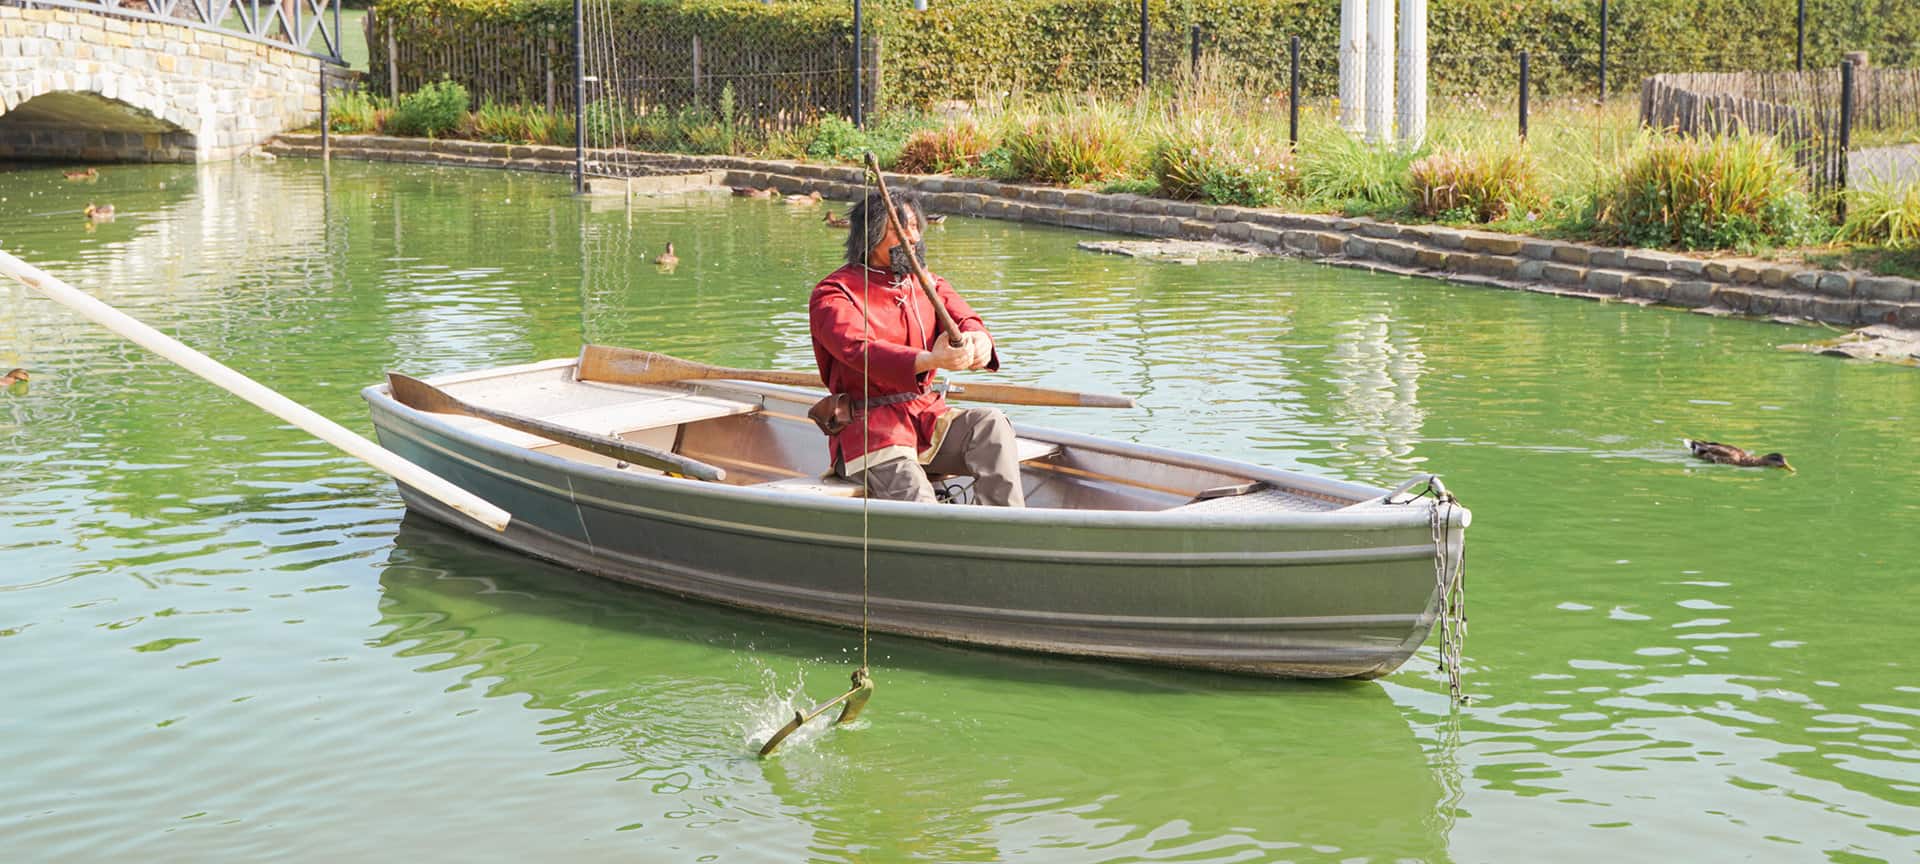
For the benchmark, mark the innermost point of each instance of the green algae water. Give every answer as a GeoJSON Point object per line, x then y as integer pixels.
{"type": "Point", "coordinates": [220, 640]}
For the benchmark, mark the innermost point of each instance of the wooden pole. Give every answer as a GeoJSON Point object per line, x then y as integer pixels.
{"type": "Point", "coordinates": [253, 391]}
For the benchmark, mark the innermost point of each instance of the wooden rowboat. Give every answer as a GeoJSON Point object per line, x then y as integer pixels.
{"type": "Point", "coordinates": [1126, 552]}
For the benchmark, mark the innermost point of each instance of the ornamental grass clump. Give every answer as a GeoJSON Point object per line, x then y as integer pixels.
{"type": "Point", "coordinates": [1884, 213]}
{"type": "Point", "coordinates": [943, 149]}
{"type": "Point", "coordinates": [1080, 145]}
{"type": "Point", "coordinates": [1474, 185]}
{"type": "Point", "coordinates": [433, 110]}
{"type": "Point", "coordinates": [1339, 170]}
{"type": "Point", "coordinates": [1704, 193]}
{"type": "Point", "coordinates": [517, 124]}
{"type": "Point", "coordinates": [1206, 161]}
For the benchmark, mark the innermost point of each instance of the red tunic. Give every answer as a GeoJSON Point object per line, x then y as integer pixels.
{"type": "Point", "coordinates": [844, 305]}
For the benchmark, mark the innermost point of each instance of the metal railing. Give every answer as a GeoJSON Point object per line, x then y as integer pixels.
{"type": "Point", "coordinates": [288, 24]}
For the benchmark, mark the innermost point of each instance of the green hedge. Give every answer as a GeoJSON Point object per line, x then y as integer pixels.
{"type": "Point", "coordinates": [799, 49]}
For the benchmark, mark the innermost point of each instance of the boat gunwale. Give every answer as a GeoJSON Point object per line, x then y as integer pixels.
{"type": "Point", "coordinates": [1352, 517]}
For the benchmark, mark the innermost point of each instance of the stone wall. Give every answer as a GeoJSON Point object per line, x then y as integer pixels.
{"type": "Point", "coordinates": [1718, 285]}
{"type": "Point", "coordinates": [78, 86]}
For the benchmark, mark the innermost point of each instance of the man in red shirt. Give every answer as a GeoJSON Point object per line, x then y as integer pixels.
{"type": "Point", "coordinates": [877, 339]}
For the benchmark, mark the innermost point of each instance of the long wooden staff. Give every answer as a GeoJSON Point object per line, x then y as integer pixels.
{"type": "Point", "coordinates": [253, 391]}
{"type": "Point", "coordinates": [920, 273]}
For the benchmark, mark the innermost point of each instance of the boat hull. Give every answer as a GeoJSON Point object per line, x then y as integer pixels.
{"type": "Point", "coordinates": [1345, 593]}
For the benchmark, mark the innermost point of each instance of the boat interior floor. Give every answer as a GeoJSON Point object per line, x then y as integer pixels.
{"type": "Point", "coordinates": [763, 438]}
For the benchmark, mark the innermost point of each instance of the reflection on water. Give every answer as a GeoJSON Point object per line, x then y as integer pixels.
{"type": "Point", "coordinates": [216, 635]}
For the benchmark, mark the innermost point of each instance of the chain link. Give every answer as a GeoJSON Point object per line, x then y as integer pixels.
{"type": "Point", "coordinates": [1450, 577]}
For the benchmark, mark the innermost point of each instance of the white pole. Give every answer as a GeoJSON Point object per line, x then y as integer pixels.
{"type": "Point", "coordinates": [255, 392]}
{"type": "Point", "coordinates": [1380, 71]}
{"type": "Point", "coordinates": [1353, 64]}
{"type": "Point", "coordinates": [1413, 73]}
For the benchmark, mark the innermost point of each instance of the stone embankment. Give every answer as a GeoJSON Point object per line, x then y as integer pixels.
{"type": "Point", "coordinates": [1731, 286]}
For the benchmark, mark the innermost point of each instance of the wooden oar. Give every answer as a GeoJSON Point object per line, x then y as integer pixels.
{"type": "Point", "coordinates": [418, 394]}
{"type": "Point", "coordinates": [920, 273]}
{"type": "Point", "coordinates": [636, 367]}
{"type": "Point", "coordinates": [855, 698]}
{"type": "Point", "coordinates": [253, 391]}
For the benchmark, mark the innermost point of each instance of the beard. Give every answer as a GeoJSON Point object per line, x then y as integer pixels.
{"type": "Point", "coordinates": [901, 265]}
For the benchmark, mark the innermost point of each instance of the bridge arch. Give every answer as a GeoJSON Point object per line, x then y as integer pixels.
{"type": "Point", "coordinates": [81, 86]}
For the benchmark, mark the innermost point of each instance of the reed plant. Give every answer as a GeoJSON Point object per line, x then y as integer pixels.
{"type": "Point", "coordinates": [1884, 213]}
{"type": "Point", "coordinates": [1704, 193]}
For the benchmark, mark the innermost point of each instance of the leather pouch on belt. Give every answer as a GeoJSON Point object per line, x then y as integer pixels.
{"type": "Point", "coordinates": [833, 413]}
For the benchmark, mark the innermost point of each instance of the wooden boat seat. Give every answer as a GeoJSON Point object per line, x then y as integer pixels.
{"type": "Point", "coordinates": [617, 419]}
{"type": "Point", "coordinates": [1029, 450]}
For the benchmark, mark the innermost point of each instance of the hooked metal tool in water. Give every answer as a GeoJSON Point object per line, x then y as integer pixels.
{"type": "Point", "coordinates": [855, 699]}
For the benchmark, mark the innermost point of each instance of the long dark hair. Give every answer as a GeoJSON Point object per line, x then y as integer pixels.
{"type": "Point", "coordinates": [864, 233]}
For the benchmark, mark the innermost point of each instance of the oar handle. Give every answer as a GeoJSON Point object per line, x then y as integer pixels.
{"type": "Point", "coordinates": [920, 273]}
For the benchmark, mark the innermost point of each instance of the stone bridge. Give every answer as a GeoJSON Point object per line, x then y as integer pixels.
{"type": "Point", "coordinates": [159, 80]}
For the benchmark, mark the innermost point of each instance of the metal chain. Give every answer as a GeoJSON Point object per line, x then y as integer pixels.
{"type": "Point", "coordinates": [1451, 579]}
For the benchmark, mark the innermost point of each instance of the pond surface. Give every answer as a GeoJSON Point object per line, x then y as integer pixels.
{"type": "Point", "coordinates": [220, 640]}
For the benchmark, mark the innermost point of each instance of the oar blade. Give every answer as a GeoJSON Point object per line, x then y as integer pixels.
{"type": "Point", "coordinates": [792, 726]}
{"type": "Point", "coordinates": [421, 396]}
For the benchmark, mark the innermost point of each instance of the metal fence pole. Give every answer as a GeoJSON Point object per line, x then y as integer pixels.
{"type": "Point", "coordinates": [1193, 49]}
{"type": "Point", "coordinates": [1846, 130]}
{"type": "Point", "coordinates": [1800, 46]}
{"type": "Point", "coordinates": [326, 122]}
{"type": "Point", "coordinates": [1603, 50]}
{"type": "Point", "coordinates": [1523, 94]}
{"type": "Point", "coordinates": [1145, 28]}
{"type": "Point", "coordinates": [859, 69]}
{"type": "Point", "coordinates": [1293, 92]}
{"type": "Point", "coordinates": [579, 97]}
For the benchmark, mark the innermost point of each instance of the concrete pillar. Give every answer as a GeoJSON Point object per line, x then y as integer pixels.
{"type": "Point", "coordinates": [1413, 73]}
{"type": "Point", "coordinates": [1353, 64]}
{"type": "Point", "coordinates": [1380, 71]}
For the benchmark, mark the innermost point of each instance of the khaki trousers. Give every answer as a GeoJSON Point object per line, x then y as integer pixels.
{"type": "Point", "coordinates": [979, 442]}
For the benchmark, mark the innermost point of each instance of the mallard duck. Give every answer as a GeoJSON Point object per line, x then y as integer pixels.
{"type": "Point", "coordinates": [89, 174]}
{"type": "Point", "coordinates": [936, 218]}
{"type": "Point", "coordinates": [750, 192]}
{"type": "Point", "coordinates": [667, 259]}
{"type": "Point", "coordinates": [1727, 454]}
{"type": "Point", "coordinates": [14, 377]}
{"type": "Point", "coordinates": [837, 221]}
{"type": "Point", "coordinates": [102, 213]}
{"type": "Point", "coordinates": [807, 200]}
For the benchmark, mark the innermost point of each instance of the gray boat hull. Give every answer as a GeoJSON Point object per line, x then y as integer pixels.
{"type": "Point", "coordinates": [1350, 592]}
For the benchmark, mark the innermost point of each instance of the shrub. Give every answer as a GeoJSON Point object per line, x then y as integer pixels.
{"type": "Point", "coordinates": [431, 110]}
{"type": "Point", "coordinates": [1223, 166]}
{"type": "Point", "coordinates": [1704, 193]}
{"type": "Point", "coordinates": [836, 138]}
{"type": "Point", "coordinates": [1885, 213]}
{"type": "Point", "coordinates": [1090, 145]}
{"type": "Point", "coordinates": [1474, 185]}
{"type": "Point", "coordinates": [350, 112]}
{"type": "Point", "coordinates": [947, 148]}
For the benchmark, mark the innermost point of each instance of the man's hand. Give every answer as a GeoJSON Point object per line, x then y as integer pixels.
{"type": "Point", "coordinates": [973, 352]}
{"type": "Point", "coordinates": [979, 347]}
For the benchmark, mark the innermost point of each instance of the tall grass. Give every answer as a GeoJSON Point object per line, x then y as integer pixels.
{"type": "Point", "coordinates": [1704, 193]}
{"type": "Point", "coordinates": [957, 145]}
{"type": "Point", "coordinates": [517, 124]}
{"type": "Point", "coordinates": [1204, 158]}
{"type": "Point", "coordinates": [1073, 141]}
{"type": "Point", "coordinates": [351, 112]}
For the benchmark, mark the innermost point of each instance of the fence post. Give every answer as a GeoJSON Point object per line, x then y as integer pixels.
{"type": "Point", "coordinates": [1145, 28]}
{"type": "Point", "coordinates": [549, 71]}
{"type": "Point", "coordinates": [1800, 45]}
{"type": "Point", "coordinates": [579, 98]}
{"type": "Point", "coordinates": [877, 67]}
{"type": "Point", "coordinates": [859, 69]}
{"type": "Point", "coordinates": [1523, 95]}
{"type": "Point", "coordinates": [1193, 49]}
{"type": "Point", "coordinates": [699, 96]}
{"type": "Point", "coordinates": [1603, 51]}
{"type": "Point", "coordinates": [326, 122]}
{"type": "Point", "coordinates": [1846, 130]}
{"type": "Point", "coordinates": [393, 68]}
{"type": "Point", "coordinates": [1293, 92]}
